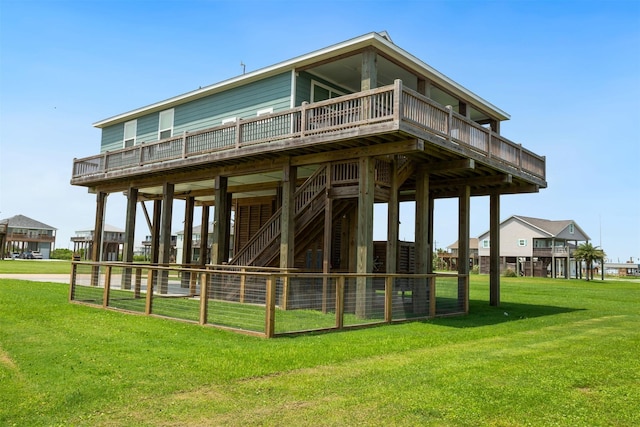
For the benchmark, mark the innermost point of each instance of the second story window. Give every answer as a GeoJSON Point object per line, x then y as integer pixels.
{"type": "Point", "coordinates": [130, 130]}
{"type": "Point", "coordinates": [522, 242]}
{"type": "Point", "coordinates": [571, 229]}
{"type": "Point", "coordinates": [486, 244]}
{"type": "Point", "coordinates": [165, 126]}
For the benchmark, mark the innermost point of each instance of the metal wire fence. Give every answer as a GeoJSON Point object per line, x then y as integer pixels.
{"type": "Point", "coordinates": [267, 302]}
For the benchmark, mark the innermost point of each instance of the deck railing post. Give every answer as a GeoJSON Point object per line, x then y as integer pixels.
{"type": "Point", "coordinates": [449, 122]}
{"type": "Point", "coordinates": [520, 157]}
{"type": "Point", "coordinates": [489, 139]}
{"type": "Point", "coordinates": [184, 144]}
{"type": "Point", "coordinates": [398, 110]}
{"type": "Point", "coordinates": [303, 118]}
{"type": "Point", "coordinates": [238, 133]}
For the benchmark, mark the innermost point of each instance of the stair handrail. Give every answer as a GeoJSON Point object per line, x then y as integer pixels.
{"type": "Point", "coordinates": [303, 196]}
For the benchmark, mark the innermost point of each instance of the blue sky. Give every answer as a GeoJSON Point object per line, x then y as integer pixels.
{"type": "Point", "coordinates": [568, 73]}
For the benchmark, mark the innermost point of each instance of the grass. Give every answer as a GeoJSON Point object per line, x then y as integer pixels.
{"type": "Point", "coordinates": [20, 266]}
{"type": "Point", "coordinates": [556, 352]}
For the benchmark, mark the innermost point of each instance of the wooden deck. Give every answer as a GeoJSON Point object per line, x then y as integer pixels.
{"type": "Point", "coordinates": [390, 114]}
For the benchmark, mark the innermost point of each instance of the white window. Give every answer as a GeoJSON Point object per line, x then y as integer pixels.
{"type": "Point", "coordinates": [522, 242]}
{"type": "Point", "coordinates": [486, 244]}
{"type": "Point", "coordinates": [165, 126]}
{"type": "Point", "coordinates": [130, 130]}
{"type": "Point", "coordinates": [571, 228]}
{"type": "Point", "coordinates": [320, 92]}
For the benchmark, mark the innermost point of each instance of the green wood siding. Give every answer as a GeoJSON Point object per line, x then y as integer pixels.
{"type": "Point", "coordinates": [148, 128]}
{"type": "Point", "coordinates": [241, 102]}
{"type": "Point", "coordinates": [112, 137]}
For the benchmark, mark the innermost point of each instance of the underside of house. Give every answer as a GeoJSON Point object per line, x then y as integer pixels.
{"type": "Point", "coordinates": [298, 185]}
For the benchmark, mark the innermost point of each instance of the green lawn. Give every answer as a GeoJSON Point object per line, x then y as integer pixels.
{"type": "Point", "coordinates": [556, 352]}
{"type": "Point", "coordinates": [23, 266]}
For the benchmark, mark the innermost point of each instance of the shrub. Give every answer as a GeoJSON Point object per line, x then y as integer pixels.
{"type": "Point", "coordinates": [510, 273]}
{"type": "Point", "coordinates": [61, 254]}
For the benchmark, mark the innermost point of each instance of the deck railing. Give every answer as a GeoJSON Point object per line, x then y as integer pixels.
{"type": "Point", "coordinates": [393, 104]}
{"type": "Point", "coordinates": [267, 302]}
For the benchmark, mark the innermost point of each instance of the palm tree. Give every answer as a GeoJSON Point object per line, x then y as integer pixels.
{"type": "Point", "coordinates": [588, 253]}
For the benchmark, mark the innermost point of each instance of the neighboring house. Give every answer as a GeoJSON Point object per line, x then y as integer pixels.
{"type": "Point", "coordinates": [112, 243]}
{"type": "Point", "coordinates": [147, 245]}
{"type": "Point", "coordinates": [25, 235]}
{"type": "Point", "coordinates": [535, 247]}
{"type": "Point", "coordinates": [297, 153]}
{"type": "Point", "coordinates": [622, 269]}
{"type": "Point", "coordinates": [196, 247]}
{"type": "Point", "coordinates": [450, 258]}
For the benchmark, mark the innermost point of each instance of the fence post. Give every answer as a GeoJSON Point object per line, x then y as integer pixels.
{"type": "Point", "coordinates": [270, 307]}
{"type": "Point", "coordinates": [340, 302]}
{"type": "Point", "coordinates": [432, 296]}
{"type": "Point", "coordinates": [72, 281]}
{"type": "Point", "coordinates": [388, 298]}
{"type": "Point", "coordinates": [149, 301]}
{"type": "Point", "coordinates": [243, 283]}
{"type": "Point", "coordinates": [107, 286]}
{"type": "Point", "coordinates": [204, 299]}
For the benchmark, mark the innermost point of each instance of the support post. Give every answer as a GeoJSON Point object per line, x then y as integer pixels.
{"type": "Point", "coordinates": [165, 234]}
{"type": "Point", "coordinates": [287, 227]}
{"type": "Point", "coordinates": [129, 236]}
{"type": "Point", "coordinates": [464, 214]}
{"type": "Point", "coordinates": [187, 247]}
{"type": "Point", "coordinates": [328, 227]}
{"type": "Point", "coordinates": [422, 244]}
{"type": "Point", "coordinates": [494, 249]}
{"type": "Point", "coordinates": [364, 255]}
{"type": "Point", "coordinates": [204, 236]}
{"type": "Point", "coordinates": [101, 202]}
{"type": "Point", "coordinates": [221, 218]}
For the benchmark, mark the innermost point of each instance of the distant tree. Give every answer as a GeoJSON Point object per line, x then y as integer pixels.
{"type": "Point", "coordinates": [588, 253]}
{"type": "Point", "coordinates": [61, 254]}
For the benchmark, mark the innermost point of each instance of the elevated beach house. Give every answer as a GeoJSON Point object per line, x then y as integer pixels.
{"type": "Point", "coordinates": [535, 247]}
{"type": "Point", "coordinates": [296, 155]}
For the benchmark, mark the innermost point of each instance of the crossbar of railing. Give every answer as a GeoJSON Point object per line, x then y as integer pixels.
{"type": "Point", "coordinates": [250, 301]}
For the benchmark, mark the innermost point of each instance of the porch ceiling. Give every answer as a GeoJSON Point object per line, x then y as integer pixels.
{"type": "Point", "coordinates": [347, 72]}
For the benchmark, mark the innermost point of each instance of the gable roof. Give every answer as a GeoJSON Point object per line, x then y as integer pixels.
{"type": "Point", "coordinates": [381, 41]}
{"type": "Point", "coordinates": [473, 244]}
{"type": "Point", "coordinates": [21, 221]}
{"type": "Point", "coordinates": [549, 227]}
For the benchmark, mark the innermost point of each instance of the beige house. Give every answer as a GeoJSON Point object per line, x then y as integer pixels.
{"type": "Point", "coordinates": [535, 247]}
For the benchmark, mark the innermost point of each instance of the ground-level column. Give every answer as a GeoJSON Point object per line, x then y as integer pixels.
{"type": "Point", "coordinates": [204, 236]}
{"type": "Point", "coordinates": [187, 246]}
{"type": "Point", "coordinates": [221, 219]}
{"type": "Point", "coordinates": [364, 236]}
{"type": "Point", "coordinates": [164, 257]}
{"type": "Point", "coordinates": [393, 215]}
{"type": "Point", "coordinates": [494, 249]}
{"type": "Point", "coordinates": [287, 226]}
{"type": "Point", "coordinates": [422, 245]}
{"type": "Point", "coordinates": [129, 235]}
{"type": "Point", "coordinates": [101, 204]}
{"type": "Point", "coordinates": [464, 214]}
